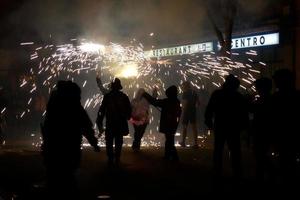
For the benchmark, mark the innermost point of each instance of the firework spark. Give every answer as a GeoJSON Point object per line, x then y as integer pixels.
{"type": "Point", "coordinates": [75, 62]}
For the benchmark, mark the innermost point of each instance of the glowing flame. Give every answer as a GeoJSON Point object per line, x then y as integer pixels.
{"type": "Point", "coordinates": [92, 47]}
{"type": "Point", "coordinates": [129, 70]}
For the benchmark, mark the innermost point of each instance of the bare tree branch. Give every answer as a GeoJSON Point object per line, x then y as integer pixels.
{"type": "Point", "coordinates": [231, 9]}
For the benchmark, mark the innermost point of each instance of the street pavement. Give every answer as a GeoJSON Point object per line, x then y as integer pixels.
{"type": "Point", "coordinates": [142, 175]}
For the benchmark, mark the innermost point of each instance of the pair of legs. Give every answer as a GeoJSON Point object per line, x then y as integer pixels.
{"type": "Point", "coordinates": [184, 133]}
{"type": "Point", "coordinates": [170, 149]}
{"type": "Point", "coordinates": [139, 131]}
{"type": "Point", "coordinates": [234, 146]}
{"type": "Point", "coordinates": [110, 139]}
{"type": "Point", "coordinates": [261, 149]}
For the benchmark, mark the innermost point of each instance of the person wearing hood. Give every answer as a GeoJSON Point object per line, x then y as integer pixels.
{"type": "Point", "coordinates": [169, 119]}
{"type": "Point", "coordinates": [65, 123]}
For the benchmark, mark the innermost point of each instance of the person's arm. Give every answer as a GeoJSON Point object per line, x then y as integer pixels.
{"type": "Point", "coordinates": [103, 90]}
{"type": "Point", "coordinates": [88, 131]}
{"type": "Point", "coordinates": [155, 92]}
{"type": "Point", "coordinates": [152, 100]}
{"type": "Point", "coordinates": [101, 114]}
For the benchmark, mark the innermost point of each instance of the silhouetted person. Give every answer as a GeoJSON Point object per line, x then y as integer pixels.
{"type": "Point", "coordinates": [117, 110]}
{"type": "Point", "coordinates": [139, 118]}
{"type": "Point", "coordinates": [190, 102]}
{"type": "Point", "coordinates": [261, 126]}
{"type": "Point", "coordinates": [227, 115]}
{"type": "Point", "coordinates": [169, 119]}
{"type": "Point", "coordinates": [286, 122]}
{"type": "Point", "coordinates": [204, 98]}
{"type": "Point", "coordinates": [65, 123]}
{"type": "Point", "coordinates": [104, 91]}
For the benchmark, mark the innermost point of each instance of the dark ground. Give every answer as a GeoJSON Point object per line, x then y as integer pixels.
{"type": "Point", "coordinates": [143, 175]}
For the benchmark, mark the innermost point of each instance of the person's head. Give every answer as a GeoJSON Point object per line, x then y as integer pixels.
{"type": "Point", "coordinates": [186, 86]}
{"type": "Point", "coordinates": [68, 91]}
{"type": "Point", "coordinates": [75, 91]}
{"type": "Point", "coordinates": [263, 86]}
{"type": "Point", "coordinates": [116, 84]}
{"type": "Point", "coordinates": [171, 92]}
{"type": "Point", "coordinates": [140, 93]}
{"type": "Point", "coordinates": [60, 85]}
{"type": "Point", "coordinates": [284, 80]}
{"type": "Point", "coordinates": [231, 83]}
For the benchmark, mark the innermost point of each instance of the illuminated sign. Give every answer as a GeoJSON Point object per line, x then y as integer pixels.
{"type": "Point", "coordinates": [181, 50]}
{"type": "Point", "coordinates": [236, 43]}
{"type": "Point", "coordinates": [255, 41]}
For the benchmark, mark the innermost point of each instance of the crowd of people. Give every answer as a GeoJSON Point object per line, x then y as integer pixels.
{"type": "Point", "coordinates": [273, 125]}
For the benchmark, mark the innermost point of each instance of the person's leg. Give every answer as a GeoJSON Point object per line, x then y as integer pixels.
{"type": "Point", "coordinates": [140, 133]}
{"type": "Point", "coordinates": [195, 133]}
{"type": "Point", "coordinates": [135, 137]}
{"type": "Point", "coordinates": [173, 151]}
{"type": "Point", "coordinates": [167, 146]}
{"type": "Point", "coordinates": [219, 142]}
{"type": "Point", "coordinates": [184, 133]}
{"type": "Point", "coordinates": [234, 146]}
{"type": "Point", "coordinates": [109, 140]}
{"type": "Point", "coordinates": [118, 146]}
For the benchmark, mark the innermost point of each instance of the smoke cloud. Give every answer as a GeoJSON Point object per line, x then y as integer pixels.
{"type": "Point", "coordinates": [171, 21]}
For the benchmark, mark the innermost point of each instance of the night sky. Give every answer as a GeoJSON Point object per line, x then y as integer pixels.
{"type": "Point", "coordinates": [172, 21]}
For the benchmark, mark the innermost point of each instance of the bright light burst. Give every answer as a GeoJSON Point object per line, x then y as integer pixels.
{"type": "Point", "coordinates": [80, 63]}
{"type": "Point", "coordinates": [129, 70]}
{"type": "Point", "coordinates": [92, 47]}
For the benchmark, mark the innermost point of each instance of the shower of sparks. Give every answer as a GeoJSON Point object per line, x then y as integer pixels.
{"type": "Point", "coordinates": [128, 70]}
{"type": "Point", "coordinates": [26, 43]}
{"type": "Point", "coordinates": [3, 110]}
{"type": "Point", "coordinates": [91, 47]}
{"type": "Point", "coordinates": [81, 62]}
